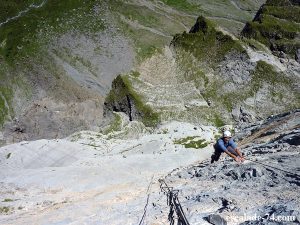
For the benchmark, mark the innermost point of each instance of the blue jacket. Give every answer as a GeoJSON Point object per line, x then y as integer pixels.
{"type": "Point", "coordinates": [222, 146]}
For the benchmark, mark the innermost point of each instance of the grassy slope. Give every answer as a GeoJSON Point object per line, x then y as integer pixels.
{"type": "Point", "coordinates": [277, 26]}
{"type": "Point", "coordinates": [24, 41]}
{"type": "Point", "coordinates": [10, 8]}
{"type": "Point", "coordinates": [21, 37]}
{"type": "Point", "coordinates": [207, 44]}
{"type": "Point", "coordinates": [209, 47]}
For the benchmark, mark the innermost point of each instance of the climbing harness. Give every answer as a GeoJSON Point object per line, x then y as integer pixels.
{"type": "Point", "coordinates": [173, 202]}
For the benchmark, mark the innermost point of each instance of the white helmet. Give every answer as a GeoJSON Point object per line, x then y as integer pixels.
{"type": "Point", "coordinates": [226, 133]}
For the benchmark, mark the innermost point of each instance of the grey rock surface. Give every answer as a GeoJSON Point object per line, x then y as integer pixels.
{"type": "Point", "coordinates": [262, 190]}
{"type": "Point", "coordinates": [90, 177]}
{"type": "Point", "coordinates": [48, 118]}
{"type": "Point", "coordinates": [297, 55]}
{"type": "Point", "coordinates": [114, 179]}
{"type": "Point", "coordinates": [216, 220]}
{"type": "Point", "coordinates": [236, 69]}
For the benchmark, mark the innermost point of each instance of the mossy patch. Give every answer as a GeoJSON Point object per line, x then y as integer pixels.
{"type": "Point", "coordinates": [146, 43]}
{"type": "Point", "coordinates": [278, 87]}
{"type": "Point", "coordinates": [115, 124]}
{"type": "Point", "coordinates": [5, 209]}
{"type": "Point", "coordinates": [254, 44]}
{"type": "Point", "coordinates": [265, 74]}
{"type": "Point", "coordinates": [285, 12]}
{"type": "Point", "coordinates": [192, 142]}
{"type": "Point", "coordinates": [6, 95]}
{"type": "Point", "coordinates": [135, 74]}
{"type": "Point", "coordinates": [218, 121]}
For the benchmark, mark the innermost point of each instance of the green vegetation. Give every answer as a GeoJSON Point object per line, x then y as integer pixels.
{"type": "Point", "coordinates": [218, 121]}
{"type": "Point", "coordinates": [146, 43]}
{"type": "Point", "coordinates": [141, 14]}
{"type": "Point", "coordinates": [232, 26]}
{"type": "Point", "coordinates": [279, 2]}
{"type": "Point", "coordinates": [6, 95]}
{"type": "Point", "coordinates": [135, 74]}
{"type": "Point", "coordinates": [279, 87]}
{"type": "Point", "coordinates": [8, 155]}
{"type": "Point", "coordinates": [4, 209]}
{"type": "Point", "coordinates": [8, 200]}
{"type": "Point", "coordinates": [204, 49]}
{"type": "Point", "coordinates": [146, 51]}
{"type": "Point", "coordinates": [196, 75]}
{"type": "Point", "coordinates": [10, 8]}
{"type": "Point", "coordinates": [24, 41]}
{"type": "Point", "coordinates": [254, 44]}
{"type": "Point", "coordinates": [122, 92]}
{"type": "Point", "coordinates": [192, 142]}
{"type": "Point", "coordinates": [286, 12]}
{"type": "Point", "coordinates": [24, 36]}
{"type": "Point", "coordinates": [147, 29]}
{"type": "Point", "coordinates": [165, 131]}
{"type": "Point", "coordinates": [183, 5]}
{"type": "Point", "coordinates": [265, 74]}
{"type": "Point", "coordinates": [206, 43]}
{"type": "Point", "coordinates": [76, 137]}
{"type": "Point", "coordinates": [115, 125]}
{"type": "Point", "coordinates": [277, 26]}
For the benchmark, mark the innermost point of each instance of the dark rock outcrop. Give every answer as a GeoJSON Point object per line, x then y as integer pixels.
{"type": "Point", "coordinates": [123, 98]}
{"type": "Point", "coordinates": [216, 220]}
{"type": "Point", "coordinates": [200, 25]}
{"type": "Point", "coordinates": [297, 55]}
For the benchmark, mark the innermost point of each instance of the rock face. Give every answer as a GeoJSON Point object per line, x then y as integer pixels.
{"type": "Point", "coordinates": [189, 82]}
{"type": "Point", "coordinates": [297, 55]}
{"type": "Point", "coordinates": [237, 68]}
{"type": "Point", "coordinates": [242, 115]}
{"type": "Point", "coordinates": [49, 119]}
{"type": "Point", "coordinates": [63, 75]}
{"type": "Point", "coordinates": [91, 177]}
{"type": "Point", "coordinates": [72, 53]}
{"type": "Point", "coordinates": [123, 98]}
{"type": "Point", "coordinates": [259, 191]}
{"type": "Point", "coordinates": [111, 178]}
{"type": "Point", "coordinates": [234, 79]}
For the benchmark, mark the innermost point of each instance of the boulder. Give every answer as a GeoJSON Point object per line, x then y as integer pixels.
{"type": "Point", "coordinates": [216, 220]}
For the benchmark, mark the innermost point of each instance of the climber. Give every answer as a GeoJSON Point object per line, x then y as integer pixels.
{"type": "Point", "coordinates": [227, 145]}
